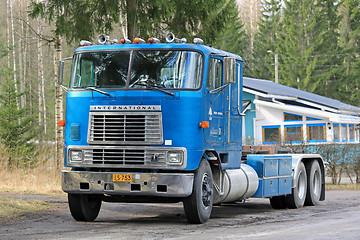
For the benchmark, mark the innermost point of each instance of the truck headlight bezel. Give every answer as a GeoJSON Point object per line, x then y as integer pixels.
{"type": "Point", "coordinates": [76, 156]}
{"type": "Point", "coordinates": [175, 158]}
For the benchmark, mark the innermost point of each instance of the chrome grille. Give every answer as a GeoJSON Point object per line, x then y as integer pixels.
{"type": "Point", "coordinates": [128, 157]}
{"type": "Point", "coordinates": [125, 128]}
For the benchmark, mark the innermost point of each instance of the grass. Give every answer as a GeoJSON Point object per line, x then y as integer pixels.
{"type": "Point", "coordinates": [43, 179]}
{"type": "Point", "coordinates": [32, 181]}
{"type": "Point", "coordinates": [12, 207]}
{"type": "Point", "coordinates": [342, 186]}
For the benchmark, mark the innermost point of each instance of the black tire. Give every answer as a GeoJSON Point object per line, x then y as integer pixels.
{"type": "Point", "coordinates": [298, 196]}
{"type": "Point", "coordinates": [84, 207]}
{"type": "Point", "coordinates": [198, 205]}
{"type": "Point", "coordinates": [314, 179]}
{"type": "Point", "coordinates": [278, 202]}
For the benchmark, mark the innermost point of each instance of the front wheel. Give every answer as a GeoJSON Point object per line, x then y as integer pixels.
{"type": "Point", "coordinates": [198, 205]}
{"type": "Point", "coordinates": [84, 207]}
{"type": "Point", "coordinates": [297, 198]}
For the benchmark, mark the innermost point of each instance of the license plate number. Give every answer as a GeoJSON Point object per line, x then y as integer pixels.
{"type": "Point", "coordinates": [122, 177]}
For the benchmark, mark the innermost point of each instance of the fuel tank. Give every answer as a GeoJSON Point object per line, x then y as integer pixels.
{"type": "Point", "coordinates": [238, 184]}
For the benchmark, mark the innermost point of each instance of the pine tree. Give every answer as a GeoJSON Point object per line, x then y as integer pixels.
{"type": "Point", "coordinates": [81, 19]}
{"type": "Point", "coordinates": [329, 71]}
{"type": "Point", "coordinates": [350, 41]}
{"type": "Point", "coordinates": [15, 123]}
{"type": "Point", "coordinates": [261, 65]}
{"type": "Point", "coordinates": [309, 45]}
{"type": "Point", "coordinates": [233, 37]}
{"type": "Point", "coordinates": [203, 19]}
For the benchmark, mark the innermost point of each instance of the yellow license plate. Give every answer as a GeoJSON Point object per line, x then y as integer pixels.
{"type": "Point", "coordinates": [122, 177]}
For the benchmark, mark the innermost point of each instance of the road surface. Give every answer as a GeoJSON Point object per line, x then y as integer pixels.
{"type": "Point", "coordinates": [336, 218]}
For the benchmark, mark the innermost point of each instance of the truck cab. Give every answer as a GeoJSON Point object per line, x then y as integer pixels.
{"type": "Point", "coordinates": [156, 122]}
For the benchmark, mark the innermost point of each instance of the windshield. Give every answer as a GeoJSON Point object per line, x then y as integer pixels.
{"type": "Point", "coordinates": [100, 69]}
{"type": "Point", "coordinates": [149, 69]}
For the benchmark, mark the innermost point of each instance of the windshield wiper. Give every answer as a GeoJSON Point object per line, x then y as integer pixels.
{"type": "Point", "coordinates": [97, 90]}
{"type": "Point", "coordinates": [161, 90]}
{"type": "Point", "coordinates": [152, 87]}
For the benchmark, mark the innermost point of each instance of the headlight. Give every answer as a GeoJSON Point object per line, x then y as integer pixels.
{"type": "Point", "coordinates": [175, 158]}
{"type": "Point", "coordinates": [76, 156]}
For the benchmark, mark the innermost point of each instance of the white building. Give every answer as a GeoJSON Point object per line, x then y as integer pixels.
{"type": "Point", "coordinates": [279, 114]}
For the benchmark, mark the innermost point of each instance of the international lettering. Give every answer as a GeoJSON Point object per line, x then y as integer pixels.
{"type": "Point", "coordinates": [126, 108]}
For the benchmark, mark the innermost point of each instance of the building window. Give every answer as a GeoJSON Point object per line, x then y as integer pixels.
{"type": "Point", "coordinates": [316, 132]}
{"type": "Point", "coordinates": [343, 133]}
{"type": "Point", "coordinates": [271, 134]}
{"type": "Point", "coordinates": [292, 117]}
{"type": "Point", "coordinates": [336, 131]}
{"type": "Point", "coordinates": [312, 119]}
{"type": "Point", "coordinates": [352, 132]}
{"type": "Point", "coordinates": [293, 133]}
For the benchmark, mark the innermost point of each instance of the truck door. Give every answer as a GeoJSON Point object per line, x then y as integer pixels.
{"type": "Point", "coordinates": [232, 109]}
{"type": "Point", "coordinates": [214, 101]}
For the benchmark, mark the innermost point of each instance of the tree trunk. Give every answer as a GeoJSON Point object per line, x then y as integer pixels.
{"type": "Point", "coordinates": [21, 76]}
{"type": "Point", "coordinates": [340, 175]}
{"type": "Point", "coordinates": [42, 121]}
{"type": "Point", "coordinates": [348, 173]}
{"type": "Point", "coordinates": [59, 131]}
{"type": "Point", "coordinates": [13, 46]}
{"type": "Point", "coordinates": [8, 29]}
{"type": "Point", "coordinates": [25, 27]}
{"type": "Point", "coordinates": [123, 25]}
{"type": "Point", "coordinates": [131, 6]}
{"type": "Point", "coordinates": [22, 84]}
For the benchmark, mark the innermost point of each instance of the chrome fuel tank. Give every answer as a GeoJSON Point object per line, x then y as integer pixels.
{"type": "Point", "coordinates": [238, 184]}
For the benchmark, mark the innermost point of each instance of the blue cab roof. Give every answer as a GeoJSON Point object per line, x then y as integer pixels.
{"type": "Point", "coordinates": [207, 50]}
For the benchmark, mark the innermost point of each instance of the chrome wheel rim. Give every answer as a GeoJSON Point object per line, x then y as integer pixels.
{"type": "Point", "coordinates": [316, 183]}
{"type": "Point", "coordinates": [301, 185]}
{"type": "Point", "coordinates": [206, 190]}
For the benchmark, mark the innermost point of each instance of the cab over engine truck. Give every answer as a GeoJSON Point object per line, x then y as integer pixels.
{"type": "Point", "coordinates": [162, 122]}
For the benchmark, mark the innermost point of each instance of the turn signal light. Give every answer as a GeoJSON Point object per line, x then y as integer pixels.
{"type": "Point", "coordinates": [204, 124]}
{"type": "Point", "coordinates": [61, 123]}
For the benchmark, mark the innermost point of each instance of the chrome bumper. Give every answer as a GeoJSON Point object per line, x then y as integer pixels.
{"type": "Point", "coordinates": [142, 184]}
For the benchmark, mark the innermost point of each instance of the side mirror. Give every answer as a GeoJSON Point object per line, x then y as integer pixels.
{"type": "Point", "coordinates": [61, 71]}
{"type": "Point", "coordinates": [230, 71]}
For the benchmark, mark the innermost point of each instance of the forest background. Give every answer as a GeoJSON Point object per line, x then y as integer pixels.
{"type": "Point", "coordinates": [317, 43]}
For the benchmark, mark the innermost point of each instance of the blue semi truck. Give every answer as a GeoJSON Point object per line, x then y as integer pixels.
{"type": "Point", "coordinates": [162, 122]}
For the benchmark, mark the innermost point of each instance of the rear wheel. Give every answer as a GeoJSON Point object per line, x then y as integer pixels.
{"type": "Point", "coordinates": [297, 198]}
{"type": "Point", "coordinates": [314, 177]}
{"type": "Point", "coordinates": [84, 207]}
{"type": "Point", "coordinates": [198, 205]}
{"type": "Point", "coordinates": [278, 202]}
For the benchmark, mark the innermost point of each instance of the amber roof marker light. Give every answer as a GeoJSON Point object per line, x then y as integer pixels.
{"type": "Point", "coordinates": [139, 40]}
{"type": "Point", "coordinates": [125, 41]}
{"type": "Point", "coordinates": [153, 40]}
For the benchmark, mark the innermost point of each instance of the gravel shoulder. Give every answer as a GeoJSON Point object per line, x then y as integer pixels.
{"type": "Point", "coordinates": [335, 218]}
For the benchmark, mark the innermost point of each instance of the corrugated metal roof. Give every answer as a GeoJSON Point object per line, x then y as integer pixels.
{"type": "Point", "coordinates": [269, 87]}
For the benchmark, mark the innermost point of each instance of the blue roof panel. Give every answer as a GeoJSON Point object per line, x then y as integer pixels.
{"type": "Point", "coordinates": [269, 87]}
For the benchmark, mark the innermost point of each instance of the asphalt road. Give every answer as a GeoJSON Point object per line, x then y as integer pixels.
{"type": "Point", "coordinates": [336, 218]}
